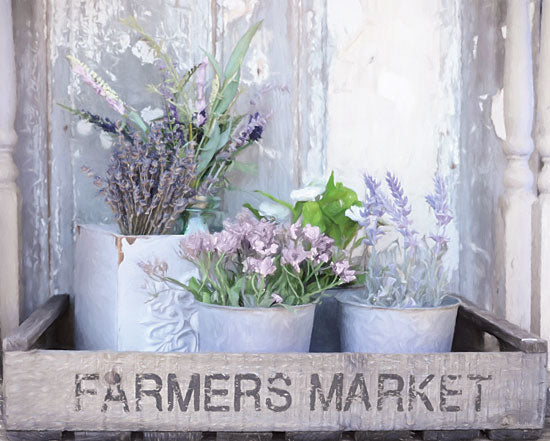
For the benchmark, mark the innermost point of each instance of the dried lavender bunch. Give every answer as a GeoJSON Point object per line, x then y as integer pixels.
{"type": "Point", "coordinates": [150, 180]}
{"type": "Point", "coordinates": [200, 115]}
{"type": "Point", "coordinates": [408, 270]}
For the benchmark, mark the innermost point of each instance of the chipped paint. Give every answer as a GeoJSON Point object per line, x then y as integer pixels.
{"type": "Point", "coordinates": [144, 52]}
{"type": "Point", "coordinates": [380, 84]}
{"type": "Point", "coordinates": [497, 114]}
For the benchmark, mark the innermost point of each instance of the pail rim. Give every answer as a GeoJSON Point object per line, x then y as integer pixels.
{"type": "Point", "coordinates": [450, 303]}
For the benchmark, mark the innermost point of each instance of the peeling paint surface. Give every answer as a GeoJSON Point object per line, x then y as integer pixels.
{"type": "Point", "coordinates": [376, 85]}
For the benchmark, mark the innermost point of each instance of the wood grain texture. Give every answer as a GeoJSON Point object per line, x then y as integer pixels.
{"type": "Point", "coordinates": [25, 336]}
{"type": "Point", "coordinates": [394, 435]}
{"type": "Point", "coordinates": [513, 435]}
{"type": "Point", "coordinates": [513, 336]}
{"type": "Point", "coordinates": [34, 436]}
{"type": "Point", "coordinates": [69, 390]}
{"type": "Point", "coordinates": [450, 435]}
{"type": "Point", "coordinates": [171, 436]}
{"type": "Point", "coordinates": [313, 436]}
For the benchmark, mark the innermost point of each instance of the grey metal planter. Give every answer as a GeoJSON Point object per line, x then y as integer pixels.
{"type": "Point", "coordinates": [375, 329]}
{"type": "Point", "coordinates": [232, 329]}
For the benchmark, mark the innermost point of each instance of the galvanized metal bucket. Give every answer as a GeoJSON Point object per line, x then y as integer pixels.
{"type": "Point", "coordinates": [375, 329]}
{"type": "Point", "coordinates": [233, 329]}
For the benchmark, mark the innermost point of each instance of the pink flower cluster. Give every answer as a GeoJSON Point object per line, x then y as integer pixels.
{"type": "Point", "coordinates": [262, 247]}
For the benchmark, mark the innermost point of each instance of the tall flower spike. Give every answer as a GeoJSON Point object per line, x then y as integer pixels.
{"type": "Point", "coordinates": [439, 202]}
{"type": "Point", "coordinates": [399, 210]}
{"type": "Point", "coordinates": [100, 87]}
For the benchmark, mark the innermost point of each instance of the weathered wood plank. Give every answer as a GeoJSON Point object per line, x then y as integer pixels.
{"type": "Point", "coordinates": [394, 435]}
{"type": "Point", "coordinates": [102, 436]}
{"type": "Point", "coordinates": [244, 436]}
{"type": "Point", "coordinates": [313, 436]}
{"type": "Point", "coordinates": [82, 391]}
{"type": "Point", "coordinates": [172, 436]}
{"type": "Point", "coordinates": [30, 331]}
{"type": "Point", "coordinates": [513, 435]}
{"type": "Point", "coordinates": [450, 435]}
{"type": "Point", "coordinates": [511, 334]}
{"type": "Point", "coordinates": [34, 436]}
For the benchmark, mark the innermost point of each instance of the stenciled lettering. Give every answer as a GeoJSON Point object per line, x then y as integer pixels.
{"type": "Point", "coordinates": [280, 392]}
{"type": "Point", "coordinates": [192, 391]}
{"type": "Point", "coordinates": [445, 392]}
{"type": "Point", "coordinates": [79, 392]}
{"type": "Point", "coordinates": [384, 393]}
{"type": "Point", "coordinates": [336, 388]}
{"type": "Point", "coordinates": [254, 392]}
{"type": "Point", "coordinates": [478, 379]}
{"type": "Point", "coordinates": [357, 383]}
{"type": "Point", "coordinates": [151, 392]}
{"type": "Point", "coordinates": [115, 393]}
{"type": "Point", "coordinates": [209, 392]}
{"type": "Point", "coordinates": [418, 392]}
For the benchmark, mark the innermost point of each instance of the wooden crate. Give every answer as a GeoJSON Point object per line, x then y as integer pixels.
{"type": "Point", "coordinates": [306, 396]}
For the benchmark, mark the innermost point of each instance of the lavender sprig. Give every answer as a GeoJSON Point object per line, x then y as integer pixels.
{"type": "Point", "coordinates": [150, 181]}
{"type": "Point", "coordinates": [405, 273]}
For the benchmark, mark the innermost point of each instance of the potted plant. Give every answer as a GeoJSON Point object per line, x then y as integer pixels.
{"type": "Point", "coordinates": [404, 306]}
{"type": "Point", "coordinates": [322, 204]}
{"type": "Point", "coordinates": [163, 174]}
{"type": "Point", "coordinates": [259, 283]}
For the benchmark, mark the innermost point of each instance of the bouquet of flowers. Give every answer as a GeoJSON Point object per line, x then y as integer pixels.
{"type": "Point", "coordinates": [319, 204]}
{"type": "Point", "coordinates": [160, 168]}
{"type": "Point", "coordinates": [259, 263]}
{"type": "Point", "coordinates": [402, 269]}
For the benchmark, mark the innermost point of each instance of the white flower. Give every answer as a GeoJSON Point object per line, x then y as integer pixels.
{"type": "Point", "coordinates": [275, 211]}
{"type": "Point", "coordinates": [354, 213]}
{"type": "Point", "coordinates": [308, 193]}
{"type": "Point", "coordinates": [148, 114]}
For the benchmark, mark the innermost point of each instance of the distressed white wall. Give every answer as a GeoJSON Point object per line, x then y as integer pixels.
{"type": "Point", "coordinates": [358, 85]}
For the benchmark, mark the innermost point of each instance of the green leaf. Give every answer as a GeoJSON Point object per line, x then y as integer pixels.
{"type": "Point", "coordinates": [209, 150]}
{"type": "Point", "coordinates": [214, 63]}
{"type": "Point", "coordinates": [312, 215]}
{"type": "Point", "coordinates": [134, 116]}
{"type": "Point", "coordinates": [228, 93]}
{"type": "Point", "coordinates": [235, 60]}
{"type": "Point", "coordinates": [206, 297]}
{"type": "Point", "coordinates": [253, 210]}
{"type": "Point", "coordinates": [212, 146]}
{"type": "Point", "coordinates": [297, 212]}
{"type": "Point", "coordinates": [274, 199]}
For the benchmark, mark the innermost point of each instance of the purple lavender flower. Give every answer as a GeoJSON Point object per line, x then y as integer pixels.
{"type": "Point", "coordinates": [226, 242]}
{"type": "Point", "coordinates": [276, 298]}
{"type": "Point", "coordinates": [263, 266]}
{"type": "Point", "coordinates": [440, 205]}
{"type": "Point", "coordinates": [252, 131]}
{"type": "Point", "coordinates": [400, 210]}
{"type": "Point", "coordinates": [194, 244]}
{"type": "Point", "coordinates": [343, 271]}
{"type": "Point", "coordinates": [293, 255]}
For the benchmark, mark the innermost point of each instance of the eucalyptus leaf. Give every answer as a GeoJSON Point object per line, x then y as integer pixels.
{"type": "Point", "coordinates": [235, 60]}
{"type": "Point", "coordinates": [134, 116]}
{"type": "Point", "coordinates": [213, 145]}
{"type": "Point", "coordinates": [228, 94]}
{"type": "Point", "coordinates": [214, 63]}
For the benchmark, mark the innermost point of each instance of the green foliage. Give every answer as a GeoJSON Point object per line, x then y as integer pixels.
{"type": "Point", "coordinates": [327, 211]}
